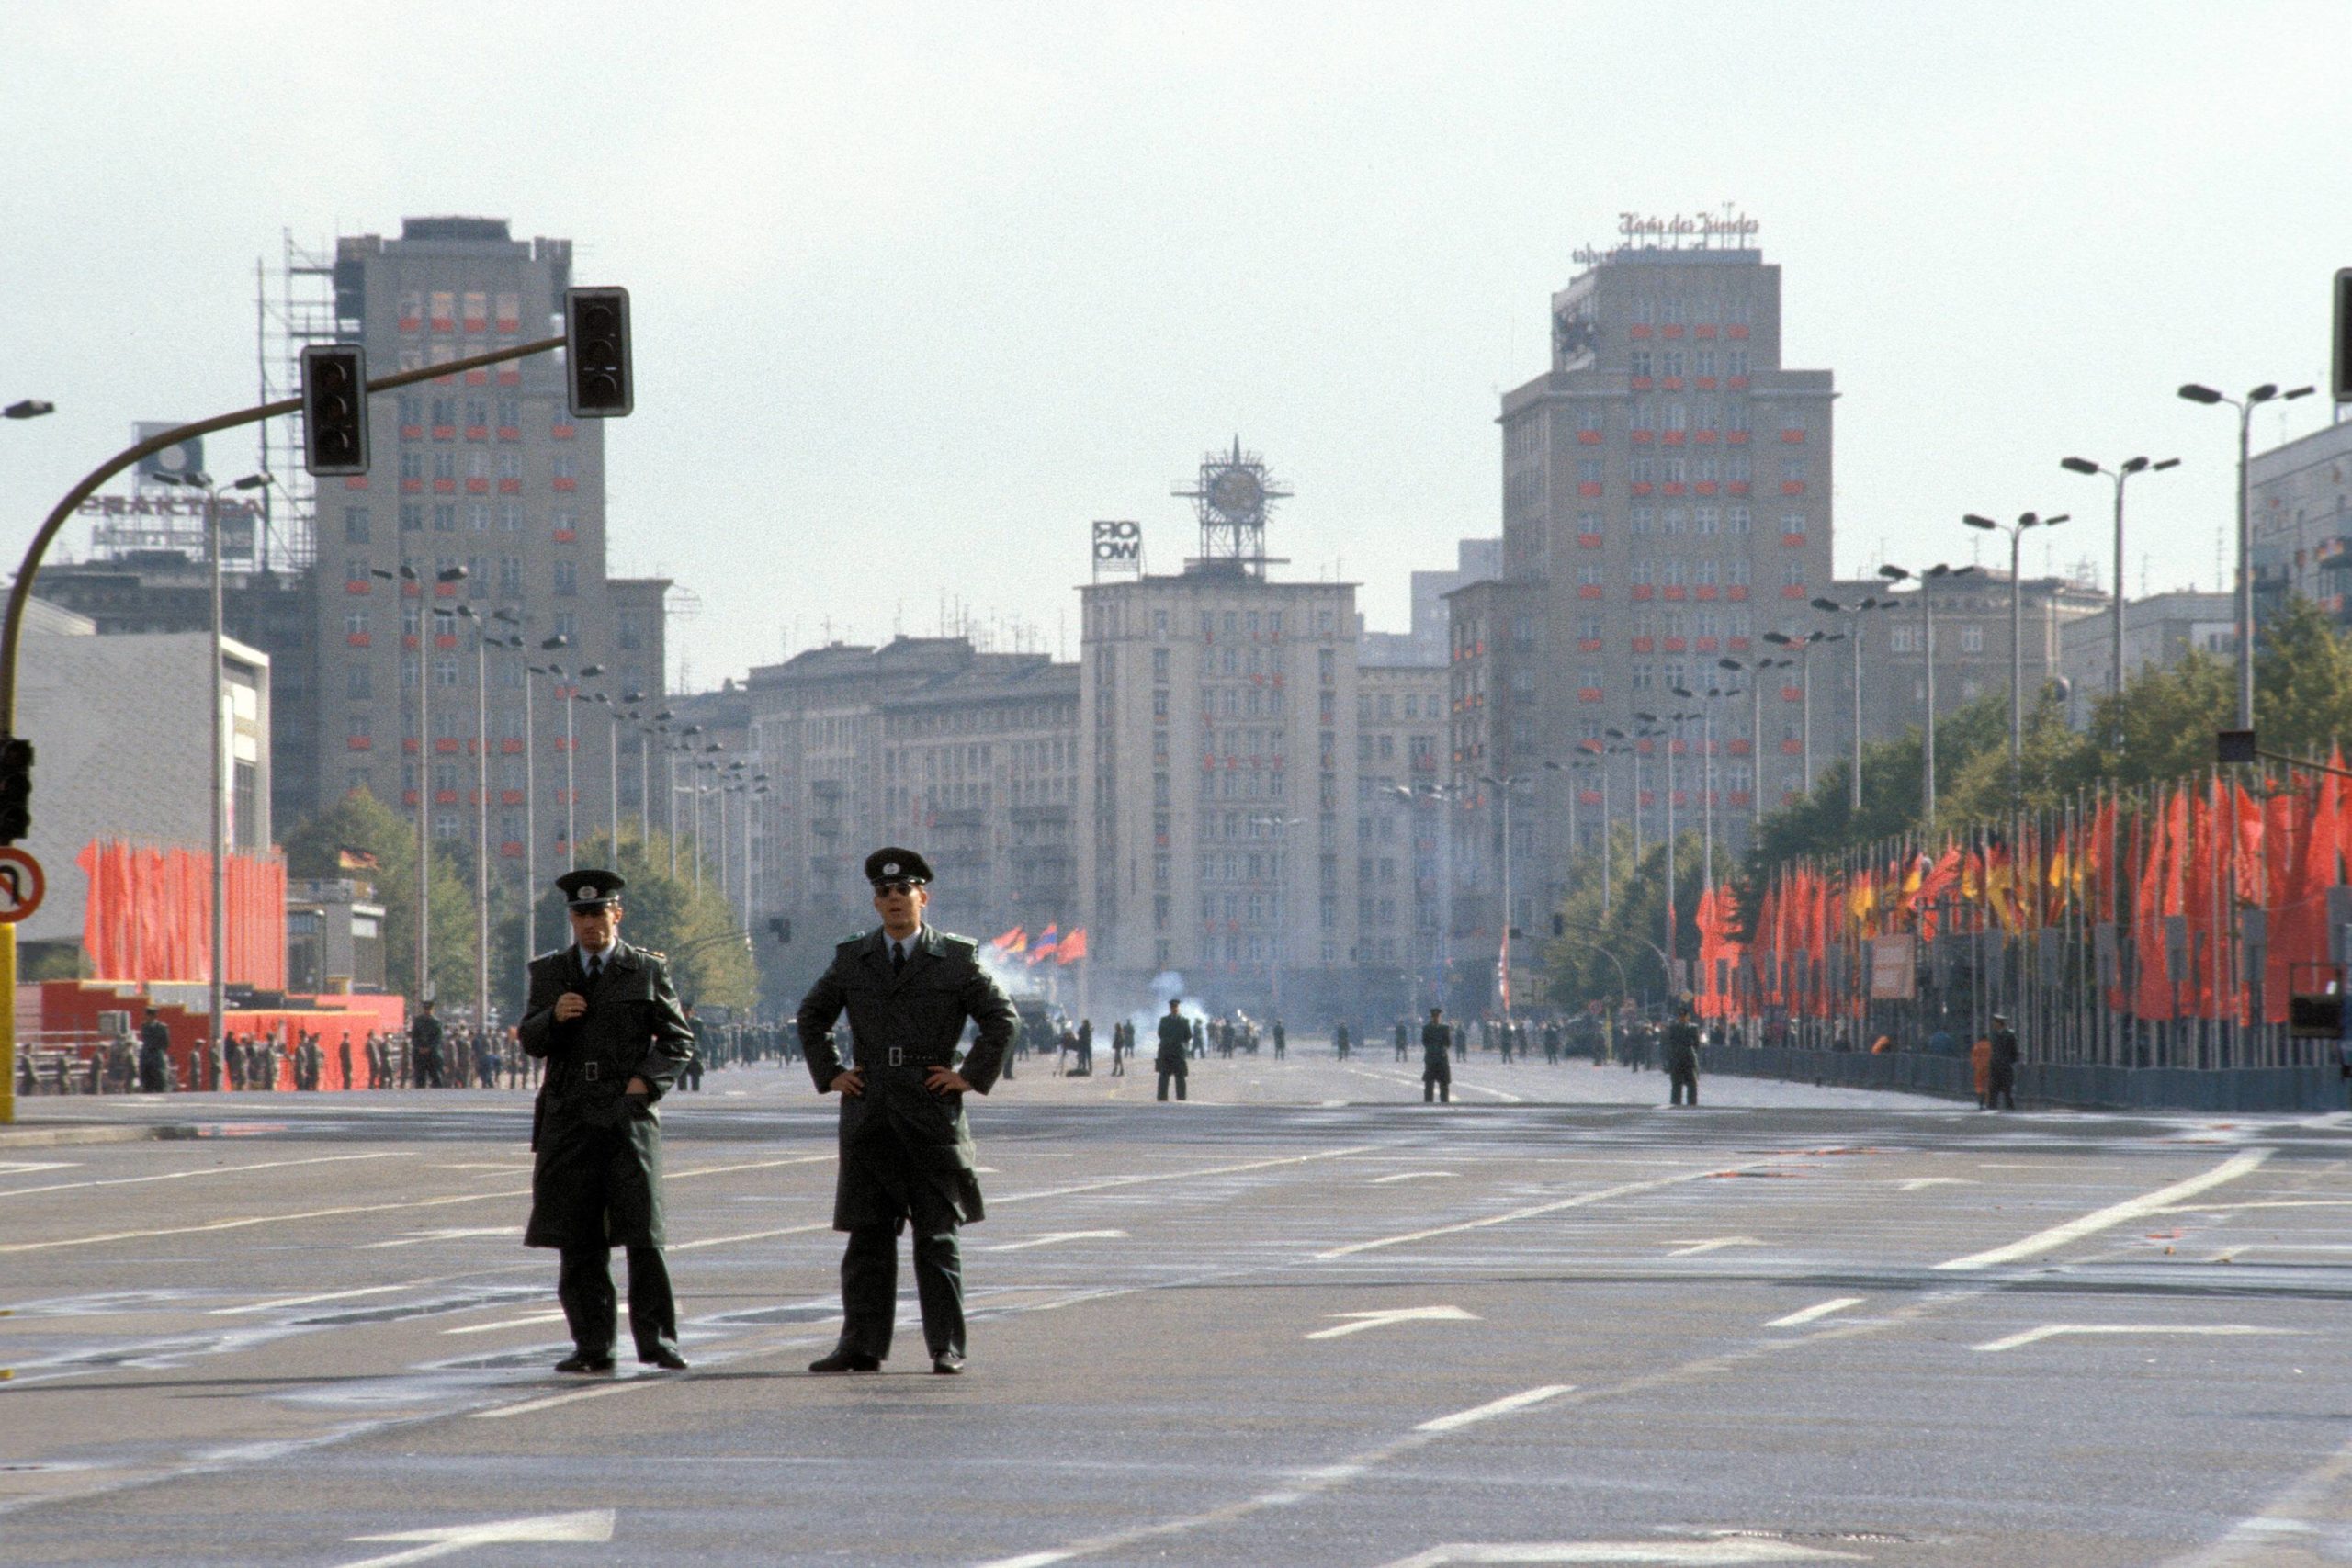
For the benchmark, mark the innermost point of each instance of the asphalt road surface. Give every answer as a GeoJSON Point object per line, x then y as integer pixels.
{"type": "Point", "coordinates": [1302, 1319]}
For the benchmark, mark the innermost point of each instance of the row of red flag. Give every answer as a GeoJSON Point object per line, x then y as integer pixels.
{"type": "Point", "coordinates": [149, 914]}
{"type": "Point", "coordinates": [2174, 868]}
{"type": "Point", "coordinates": [1048, 943]}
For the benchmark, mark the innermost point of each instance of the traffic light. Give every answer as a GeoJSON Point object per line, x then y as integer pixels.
{"type": "Point", "coordinates": [334, 409]}
{"type": "Point", "coordinates": [2339, 373]}
{"type": "Point", "coordinates": [781, 929]}
{"type": "Point", "coordinates": [2234, 746]}
{"type": "Point", "coordinates": [15, 788]}
{"type": "Point", "coordinates": [596, 323]}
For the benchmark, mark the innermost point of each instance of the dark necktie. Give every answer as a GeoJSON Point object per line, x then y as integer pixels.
{"type": "Point", "coordinates": [898, 958]}
{"type": "Point", "coordinates": [596, 967]}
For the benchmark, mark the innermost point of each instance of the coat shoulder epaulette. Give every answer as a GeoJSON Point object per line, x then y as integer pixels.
{"type": "Point", "coordinates": [844, 946]}
{"type": "Point", "coordinates": [960, 946]}
{"type": "Point", "coordinates": [658, 957]}
{"type": "Point", "coordinates": [549, 956]}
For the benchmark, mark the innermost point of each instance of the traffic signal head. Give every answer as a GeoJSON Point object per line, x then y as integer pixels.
{"type": "Point", "coordinates": [334, 409]}
{"type": "Point", "coordinates": [15, 788]}
{"type": "Point", "coordinates": [596, 323]}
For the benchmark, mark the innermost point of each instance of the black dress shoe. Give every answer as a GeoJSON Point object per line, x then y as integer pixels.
{"type": "Point", "coordinates": [948, 1363]}
{"type": "Point", "coordinates": [582, 1361]}
{"type": "Point", "coordinates": [665, 1357]}
{"type": "Point", "coordinates": [846, 1361]}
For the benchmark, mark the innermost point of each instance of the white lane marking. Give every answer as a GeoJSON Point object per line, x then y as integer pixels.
{"type": "Point", "coordinates": [208, 1170]}
{"type": "Point", "coordinates": [417, 1238]}
{"type": "Point", "coordinates": [1407, 1175]}
{"type": "Point", "coordinates": [245, 1221]}
{"type": "Point", "coordinates": [1363, 1320]}
{"type": "Point", "coordinates": [1814, 1313]}
{"type": "Point", "coordinates": [1494, 1407]}
{"type": "Point", "coordinates": [1651, 1553]}
{"type": "Point", "coordinates": [533, 1321]}
{"type": "Point", "coordinates": [1051, 1238]}
{"type": "Point", "coordinates": [530, 1406]}
{"type": "Point", "coordinates": [1625, 1189]}
{"type": "Point", "coordinates": [2055, 1330]}
{"type": "Point", "coordinates": [1110, 1181]}
{"type": "Point", "coordinates": [2113, 1214]}
{"type": "Point", "coordinates": [30, 1167]}
{"type": "Point", "coordinates": [1915, 1183]}
{"type": "Point", "coordinates": [310, 1301]}
{"type": "Point", "coordinates": [1504, 1094]}
{"type": "Point", "coordinates": [594, 1526]}
{"type": "Point", "coordinates": [1696, 1248]}
{"type": "Point", "coordinates": [1302, 1485]}
{"type": "Point", "coordinates": [749, 1236]}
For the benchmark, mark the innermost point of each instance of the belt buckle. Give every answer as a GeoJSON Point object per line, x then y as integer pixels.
{"type": "Point", "coordinates": [898, 1056]}
{"type": "Point", "coordinates": [591, 1071]}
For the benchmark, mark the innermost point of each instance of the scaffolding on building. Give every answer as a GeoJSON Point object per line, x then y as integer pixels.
{"type": "Point", "coordinates": [294, 305]}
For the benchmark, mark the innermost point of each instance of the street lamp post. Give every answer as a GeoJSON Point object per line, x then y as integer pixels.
{"type": "Point", "coordinates": [1707, 769]}
{"type": "Point", "coordinates": [1503, 786]}
{"type": "Point", "coordinates": [571, 769]}
{"type": "Point", "coordinates": [2017, 532]}
{"type": "Point", "coordinates": [531, 793]}
{"type": "Point", "coordinates": [1926, 582]}
{"type": "Point", "coordinates": [2121, 473]}
{"type": "Point", "coordinates": [1673, 919]}
{"type": "Point", "coordinates": [1804, 646]}
{"type": "Point", "coordinates": [217, 991]}
{"type": "Point", "coordinates": [2245, 406]}
{"type": "Point", "coordinates": [1854, 611]}
{"type": "Point", "coordinates": [482, 819]}
{"type": "Point", "coordinates": [408, 577]}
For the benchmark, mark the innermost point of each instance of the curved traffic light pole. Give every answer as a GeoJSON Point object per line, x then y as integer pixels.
{"type": "Point", "coordinates": [20, 591]}
{"type": "Point", "coordinates": [21, 594]}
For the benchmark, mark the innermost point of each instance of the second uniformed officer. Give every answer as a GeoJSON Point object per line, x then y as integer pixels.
{"type": "Point", "coordinates": [1437, 1066]}
{"type": "Point", "coordinates": [603, 1016]}
{"type": "Point", "coordinates": [906, 1149]}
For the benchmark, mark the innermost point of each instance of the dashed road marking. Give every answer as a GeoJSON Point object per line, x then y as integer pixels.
{"type": "Point", "coordinates": [192, 1175]}
{"type": "Point", "coordinates": [1722, 1554]}
{"type": "Point", "coordinates": [533, 1321]}
{"type": "Point", "coordinates": [1814, 1313]}
{"type": "Point", "coordinates": [1408, 1176]}
{"type": "Point", "coordinates": [1393, 1315]}
{"type": "Point", "coordinates": [1716, 1244]}
{"type": "Point", "coordinates": [2057, 1330]}
{"type": "Point", "coordinates": [1494, 1407]}
{"type": "Point", "coordinates": [418, 1238]}
{"type": "Point", "coordinates": [1625, 1189]}
{"type": "Point", "coordinates": [2113, 1214]}
{"type": "Point", "coordinates": [594, 1526]}
{"type": "Point", "coordinates": [1054, 1237]}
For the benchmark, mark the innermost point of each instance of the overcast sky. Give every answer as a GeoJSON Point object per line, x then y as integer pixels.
{"type": "Point", "coordinates": [920, 290]}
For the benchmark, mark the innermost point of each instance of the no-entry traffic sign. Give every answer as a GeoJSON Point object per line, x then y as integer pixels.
{"type": "Point", "coordinates": [21, 885]}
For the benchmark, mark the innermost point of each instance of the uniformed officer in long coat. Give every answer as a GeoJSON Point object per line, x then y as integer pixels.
{"type": "Point", "coordinates": [1437, 1059]}
{"type": "Point", "coordinates": [604, 1017]}
{"type": "Point", "coordinates": [906, 1149]}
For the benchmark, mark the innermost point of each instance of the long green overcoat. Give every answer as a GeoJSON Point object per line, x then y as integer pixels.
{"type": "Point", "coordinates": [905, 1149]}
{"type": "Point", "coordinates": [596, 1176]}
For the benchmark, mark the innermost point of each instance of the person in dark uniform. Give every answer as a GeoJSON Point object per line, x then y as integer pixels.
{"type": "Point", "coordinates": [690, 1076]}
{"type": "Point", "coordinates": [604, 1017]}
{"type": "Point", "coordinates": [1174, 1060]}
{"type": "Point", "coordinates": [425, 1046]}
{"type": "Point", "coordinates": [906, 1149]}
{"type": "Point", "coordinates": [1401, 1039]}
{"type": "Point", "coordinates": [154, 1055]}
{"type": "Point", "coordinates": [2001, 1088]}
{"type": "Point", "coordinates": [1682, 1055]}
{"type": "Point", "coordinates": [1437, 1059]}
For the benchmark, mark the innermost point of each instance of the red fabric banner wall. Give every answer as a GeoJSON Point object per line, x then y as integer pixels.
{"type": "Point", "coordinates": [149, 916]}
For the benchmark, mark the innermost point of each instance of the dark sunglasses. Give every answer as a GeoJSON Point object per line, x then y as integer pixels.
{"type": "Point", "coordinates": [882, 888]}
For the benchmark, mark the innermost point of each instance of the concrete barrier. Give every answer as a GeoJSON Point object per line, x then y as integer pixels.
{"type": "Point", "coordinates": [2079, 1086]}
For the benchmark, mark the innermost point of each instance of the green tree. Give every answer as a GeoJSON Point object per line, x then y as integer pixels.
{"type": "Point", "coordinates": [710, 962]}
{"type": "Point", "coordinates": [361, 822]}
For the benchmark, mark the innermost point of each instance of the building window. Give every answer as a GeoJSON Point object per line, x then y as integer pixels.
{"type": "Point", "coordinates": [411, 517]}
{"type": "Point", "coordinates": [567, 579]}
{"type": "Point", "coordinates": [477, 516]}
{"type": "Point", "coordinates": [358, 682]}
{"type": "Point", "coordinates": [1971, 639]}
{"type": "Point", "coordinates": [1738, 520]}
{"type": "Point", "coordinates": [445, 517]}
{"type": "Point", "coordinates": [1587, 470]}
{"type": "Point", "coordinates": [355, 525]}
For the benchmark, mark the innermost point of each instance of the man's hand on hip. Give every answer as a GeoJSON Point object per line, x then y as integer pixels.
{"type": "Point", "coordinates": [848, 1081]}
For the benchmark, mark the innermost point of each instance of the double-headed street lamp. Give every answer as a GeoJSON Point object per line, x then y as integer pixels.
{"type": "Point", "coordinates": [1670, 725]}
{"type": "Point", "coordinates": [531, 783]}
{"type": "Point", "coordinates": [2017, 532]}
{"type": "Point", "coordinates": [1707, 767]}
{"type": "Point", "coordinates": [409, 579]}
{"type": "Point", "coordinates": [2245, 406]}
{"type": "Point", "coordinates": [33, 408]}
{"type": "Point", "coordinates": [217, 992]}
{"type": "Point", "coordinates": [1855, 610]}
{"type": "Point", "coordinates": [483, 640]}
{"type": "Point", "coordinates": [1802, 648]}
{"type": "Point", "coordinates": [2120, 473]}
{"type": "Point", "coordinates": [1926, 582]}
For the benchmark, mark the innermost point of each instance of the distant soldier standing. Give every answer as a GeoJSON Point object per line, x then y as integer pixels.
{"type": "Point", "coordinates": [425, 1046]}
{"type": "Point", "coordinates": [906, 1149]}
{"type": "Point", "coordinates": [2001, 1089]}
{"type": "Point", "coordinates": [1175, 1043]}
{"type": "Point", "coordinates": [154, 1055]}
{"type": "Point", "coordinates": [605, 1018]}
{"type": "Point", "coordinates": [1437, 1062]}
{"type": "Point", "coordinates": [1682, 1055]}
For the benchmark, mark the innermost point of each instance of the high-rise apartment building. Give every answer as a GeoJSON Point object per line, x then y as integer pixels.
{"type": "Point", "coordinates": [1666, 488]}
{"type": "Point", "coordinates": [483, 470]}
{"type": "Point", "coordinates": [1217, 737]}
